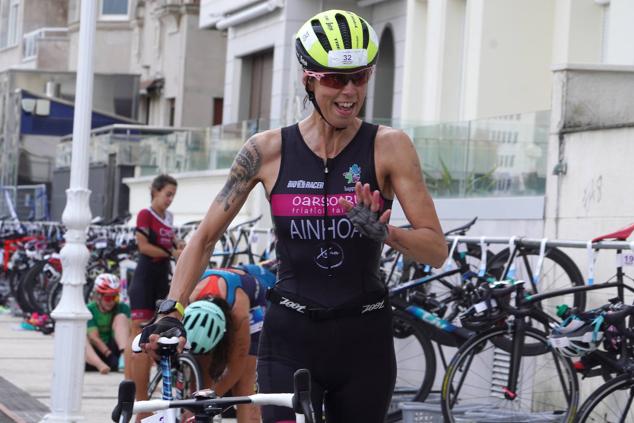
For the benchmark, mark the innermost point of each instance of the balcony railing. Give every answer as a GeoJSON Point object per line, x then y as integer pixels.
{"type": "Point", "coordinates": [490, 157]}
{"type": "Point", "coordinates": [30, 41]}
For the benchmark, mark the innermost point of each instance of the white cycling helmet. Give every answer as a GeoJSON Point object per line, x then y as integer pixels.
{"type": "Point", "coordinates": [575, 337]}
{"type": "Point", "coordinates": [107, 284]}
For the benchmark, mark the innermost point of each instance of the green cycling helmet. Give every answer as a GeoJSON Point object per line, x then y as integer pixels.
{"type": "Point", "coordinates": [336, 40]}
{"type": "Point", "coordinates": [205, 324]}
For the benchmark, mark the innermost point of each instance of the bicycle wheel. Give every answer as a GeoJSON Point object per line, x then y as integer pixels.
{"type": "Point", "coordinates": [187, 379]}
{"type": "Point", "coordinates": [476, 379]}
{"type": "Point", "coordinates": [37, 283]}
{"type": "Point", "coordinates": [188, 376]}
{"type": "Point", "coordinates": [611, 403]}
{"type": "Point", "coordinates": [559, 271]}
{"type": "Point", "coordinates": [55, 294]}
{"type": "Point", "coordinates": [415, 364]}
{"type": "Point", "coordinates": [22, 297]}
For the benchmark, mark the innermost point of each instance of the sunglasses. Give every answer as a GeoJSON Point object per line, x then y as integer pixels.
{"type": "Point", "coordinates": [338, 80]}
{"type": "Point", "coordinates": [109, 297]}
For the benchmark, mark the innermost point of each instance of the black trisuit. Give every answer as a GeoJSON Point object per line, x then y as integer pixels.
{"type": "Point", "coordinates": [328, 309]}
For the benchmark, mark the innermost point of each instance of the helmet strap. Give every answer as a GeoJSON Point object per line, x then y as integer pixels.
{"type": "Point", "coordinates": [311, 97]}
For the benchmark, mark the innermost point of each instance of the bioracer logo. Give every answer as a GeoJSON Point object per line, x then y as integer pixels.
{"type": "Point", "coordinates": [305, 184]}
{"type": "Point", "coordinates": [292, 305]}
{"type": "Point", "coordinates": [371, 307]}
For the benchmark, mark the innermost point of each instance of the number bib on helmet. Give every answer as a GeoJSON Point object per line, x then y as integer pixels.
{"type": "Point", "coordinates": [353, 58]}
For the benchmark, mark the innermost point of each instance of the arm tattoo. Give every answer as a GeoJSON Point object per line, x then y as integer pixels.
{"type": "Point", "coordinates": [245, 167]}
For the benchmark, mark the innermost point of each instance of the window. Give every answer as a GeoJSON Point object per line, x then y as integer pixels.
{"type": "Point", "coordinates": [114, 9]}
{"type": "Point", "coordinates": [12, 34]}
{"type": "Point", "coordinates": [217, 111]}
{"type": "Point", "coordinates": [171, 110]}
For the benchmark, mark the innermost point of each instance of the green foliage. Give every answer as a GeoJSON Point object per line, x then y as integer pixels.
{"type": "Point", "coordinates": [442, 183]}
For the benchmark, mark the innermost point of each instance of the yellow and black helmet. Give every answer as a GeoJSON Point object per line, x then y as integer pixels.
{"type": "Point", "coordinates": [336, 40]}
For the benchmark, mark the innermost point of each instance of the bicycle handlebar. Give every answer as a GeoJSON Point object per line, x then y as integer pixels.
{"type": "Point", "coordinates": [299, 401]}
{"type": "Point", "coordinates": [612, 317]}
{"type": "Point", "coordinates": [461, 230]}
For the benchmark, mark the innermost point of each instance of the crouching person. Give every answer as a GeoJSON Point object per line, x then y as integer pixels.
{"type": "Point", "coordinates": [109, 327]}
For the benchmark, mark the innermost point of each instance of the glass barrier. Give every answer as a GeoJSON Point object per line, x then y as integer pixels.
{"type": "Point", "coordinates": [502, 156]}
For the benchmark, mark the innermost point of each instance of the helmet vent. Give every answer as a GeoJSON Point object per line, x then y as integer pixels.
{"type": "Point", "coordinates": [321, 36]}
{"type": "Point", "coordinates": [193, 321]}
{"type": "Point", "coordinates": [345, 30]}
{"type": "Point", "coordinates": [366, 34]}
{"type": "Point", "coordinates": [204, 322]}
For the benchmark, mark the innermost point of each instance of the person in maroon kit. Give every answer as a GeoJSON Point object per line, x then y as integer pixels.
{"type": "Point", "coordinates": [157, 244]}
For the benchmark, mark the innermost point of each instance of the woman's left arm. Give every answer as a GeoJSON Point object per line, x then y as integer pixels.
{"type": "Point", "coordinates": [398, 163]}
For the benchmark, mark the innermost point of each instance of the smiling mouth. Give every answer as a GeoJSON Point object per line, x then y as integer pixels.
{"type": "Point", "coordinates": [345, 105]}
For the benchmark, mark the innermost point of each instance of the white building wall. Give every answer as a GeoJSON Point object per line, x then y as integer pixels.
{"type": "Point", "coordinates": [255, 36]}
{"type": "Point", "coordinates": [390, 14]}
{"type": "Point", "coordinates": [508, 60]}
{"type": "Point", "coordinates": [414, 53]}
{"type": "Point", "coordinates": [591, 126]}
{"type": "Point", "coordinates": [112, 47]}
{"type": "Point", "coordinates": [619, 32]}
{"type": "Point", "coordinates": [195, 193]}
{"type": "Point", "coordinates": [578, 31]}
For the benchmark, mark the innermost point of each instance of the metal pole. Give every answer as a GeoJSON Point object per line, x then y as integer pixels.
{"type": "Point", "coordinates": [534, 242]}
{"type": "Point", "coordinates": [71, 313]}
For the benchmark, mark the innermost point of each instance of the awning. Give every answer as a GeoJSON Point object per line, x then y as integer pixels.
{"type": "Point", "coordinates": [151, 86]}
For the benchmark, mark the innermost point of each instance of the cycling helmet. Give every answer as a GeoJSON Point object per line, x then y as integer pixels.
{"type": "Point", "coordinates": [336, 40]}
{"type": "Point", "coordinates": [107, 284]}
{"type": "Point", "coordinates": [576, 337]}
{"type": "Point", "coordinates": [205, 324]}
{"type": "Point", "coordinates": [484, 311]}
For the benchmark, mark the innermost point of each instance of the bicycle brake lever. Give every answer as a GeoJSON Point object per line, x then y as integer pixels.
{"type": "Point", "coordinates": [302, 401]}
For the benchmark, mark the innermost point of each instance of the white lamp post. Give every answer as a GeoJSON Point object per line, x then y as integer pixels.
{"type": "Point", "coordinates": [71, 314]}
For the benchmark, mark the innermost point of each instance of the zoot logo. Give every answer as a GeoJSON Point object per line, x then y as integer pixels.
{"type": "Point", "coordinates": [371, 307]}
{"type": "Point", "coordinates": [292, 305]}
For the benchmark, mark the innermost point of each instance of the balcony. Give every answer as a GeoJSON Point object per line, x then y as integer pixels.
{"type": "Point", "coordinates": [46, 48]}
{"type": "Point", "coordinates": [504, 156]}
{"type": "Point", "coordinates": [223, 14]}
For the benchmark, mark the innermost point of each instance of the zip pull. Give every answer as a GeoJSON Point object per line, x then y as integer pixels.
{"type": "Point", "coordinates": [326, 166]}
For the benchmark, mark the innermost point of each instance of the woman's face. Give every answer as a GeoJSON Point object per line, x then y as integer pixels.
{"type": "Point", "coordinates": [164, 197]}
{"type": "Point", "coordinates": [340, 106]}
{"type": "Point", "coordinates": [107, 302]}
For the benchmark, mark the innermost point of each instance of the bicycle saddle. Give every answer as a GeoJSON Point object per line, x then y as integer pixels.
{"type": "Point", "coordinates": [620, 235]}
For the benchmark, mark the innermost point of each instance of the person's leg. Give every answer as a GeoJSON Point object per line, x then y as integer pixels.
{"type": "Point", "coordinates": [94, 360]}
{"type": "Point", "coordinates": [288, 342]}
{"type": "Point", "coordinates": [246, 386]}
{"type": "Point", "coordinates": [138, 368]}
{"type": "Point", "coordinates": [366, 368]}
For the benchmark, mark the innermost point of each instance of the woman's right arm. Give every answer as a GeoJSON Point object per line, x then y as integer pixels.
{"type": "Point", "coordinates": [243, 176]}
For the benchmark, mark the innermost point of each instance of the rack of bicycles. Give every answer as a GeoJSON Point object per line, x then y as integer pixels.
{"type": "Point", "coordinates": [513, 331]}
{"type": "Point", "coordinates": [31, 268]}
